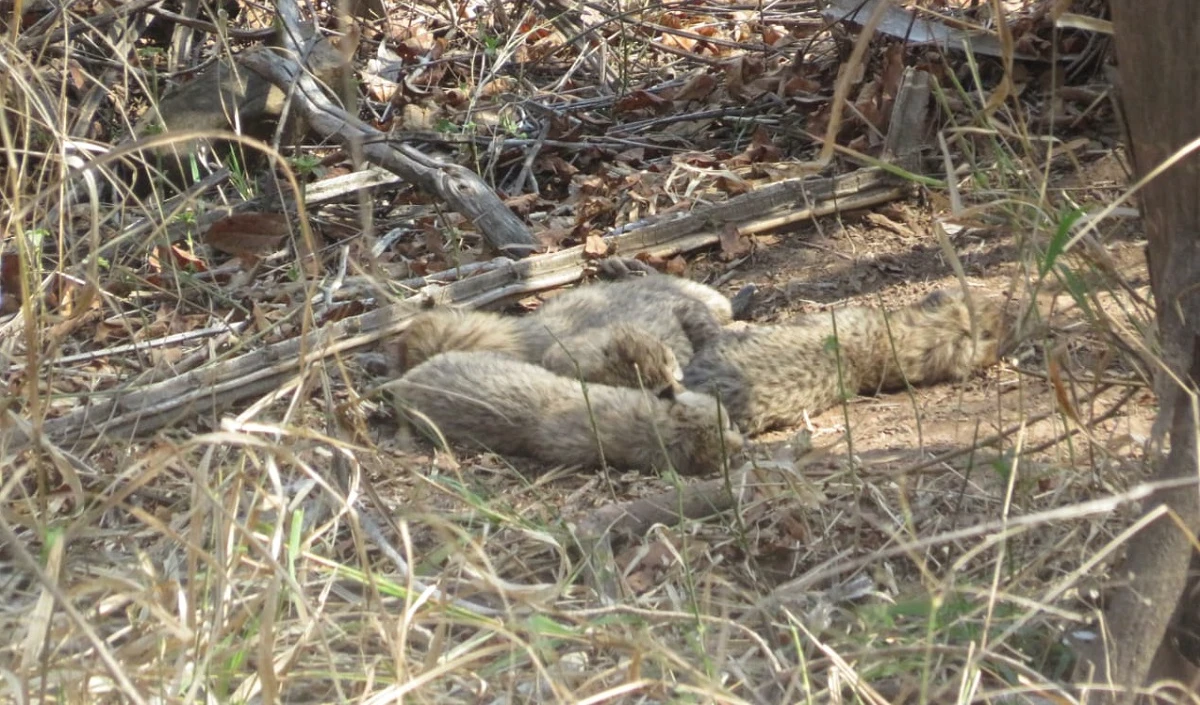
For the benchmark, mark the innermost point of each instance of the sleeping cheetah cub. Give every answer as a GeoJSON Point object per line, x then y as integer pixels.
{"type": "Point", "coordinates": [769, 376]}
{"type": "Point", "coordinates": [512, 407]}
{"type": "Point", "coordinates": [620, 355]}
{"type": "Point", "coordinates": [636, 332]}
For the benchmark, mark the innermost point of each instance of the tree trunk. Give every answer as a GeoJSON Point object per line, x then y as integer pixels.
{"type": "Point", "coordinates": [1159, 83]}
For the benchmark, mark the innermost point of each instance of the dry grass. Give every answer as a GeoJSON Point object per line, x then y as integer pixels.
{"type": "Point", "coordinates": [291, 551]}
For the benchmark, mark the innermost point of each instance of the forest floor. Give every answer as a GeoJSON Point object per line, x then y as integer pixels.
{"type": "Point", "coordinates": [933, 545]}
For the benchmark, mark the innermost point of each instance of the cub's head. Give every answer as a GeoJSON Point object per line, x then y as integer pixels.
{"type": "Point", "coordinates": [703, 436]}
{"type": "Point", "coordinates": [956, 344]}
{"type": "Point", "coordinates": [635, 358]}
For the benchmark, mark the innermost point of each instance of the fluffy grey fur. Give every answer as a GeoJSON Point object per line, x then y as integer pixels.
{"type": "Point", "coordinates": [633, 332]}
{"type": "Point", "coordinates": [512, 407]}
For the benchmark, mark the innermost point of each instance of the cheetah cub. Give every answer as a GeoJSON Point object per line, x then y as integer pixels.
{"type": "Point", "coordinates": [769, 376]}
{"type": "Point", "coordinates": [512, 407]}
{"type": "Point", "coordinates": [620, 355]}
{"type": "Point", "coordinates": [636, 332]}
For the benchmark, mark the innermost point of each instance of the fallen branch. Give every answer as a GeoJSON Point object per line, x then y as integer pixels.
{"type": "Point", "coordinates": [460, 187]}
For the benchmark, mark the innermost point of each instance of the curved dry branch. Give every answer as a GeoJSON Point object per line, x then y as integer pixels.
{"type": "Point", "coordinates": [461, 188]}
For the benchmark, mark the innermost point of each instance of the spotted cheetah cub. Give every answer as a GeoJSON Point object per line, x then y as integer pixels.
{"type": "Point", "coordinates": [636, 332]}
{"type": "Point", "coordinates": [769, 376]}
{"type": "Point", "coordinates": [620, 355]}
{"type": "Point", "coordinates": [684, 314]}
{"type": "Point", "coordinates": [512, 407]}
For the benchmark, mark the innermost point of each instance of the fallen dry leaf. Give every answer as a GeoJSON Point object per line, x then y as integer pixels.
{"type": "Point", "coordinates": [595, 247]}
{"type": "Point", "coordinates": [10, 282]}
{"type": "Point", "coordinates": [697, 87]}
{"type": "Point", "coordinates": [631, 156]}
{"type": "Point", "coordinates": [248, 235]}
{"type": "Point", "coordinates": [733, 245]}
{"type": "Point", "coordinates": [173, 257]}
{"type": "Point", "coordinates": [761, 149]}
{"type": "Point", "coordinates": [641, 100]}
{"type": "Point", "coordinates": [732, 186]}
{"type": "Point", "coordinates": [523, 204]}
{"type": "Point", "coordinates": [677, 265]}
{"type": "Point", "coordinates": [654, 261]}
{"type": "Point", "coordinates": [893, 70]}
{"type": "Point", "coordinates": [551, 239]}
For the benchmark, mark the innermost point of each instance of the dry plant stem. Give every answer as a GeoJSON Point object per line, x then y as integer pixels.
{"type": "Point", "coordinates": [210, 28]}
{"type": "Point", "coordinates": [48, 30]}
{"type": "Point", "coordinates": [994, 532]}
{"type": "Point", "coordinates": [458, 186]}
{"type": "Point", "coordinates": [696, 501]}
{"type": "Point", "coordinates": [841, 91]}
{"type": "Point", "coordinates": [566, 19]}
{"type": "Point", "coordinates": [375, 533]}
{"type": "Point", "coordinates": [1160, 97]}
{"type": "Point", "coordinates": [17, 546]}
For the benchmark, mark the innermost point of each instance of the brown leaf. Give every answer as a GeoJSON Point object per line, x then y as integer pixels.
{"type": "Point", "coordinates": [595, 247]}
{"type": "Point", "coordinates": [893, 69]}
{"type": "Point", "coordinates": [640, 100]}
{"type": "Point", "coordinates": [186, 259]}
{"type": "Point", "coordinates": [523, 204]}
{"type": "Point", "coordinates": [732, 186]}
{"type": "Point", "coordinates": [248, 235]}
{"type": "Point", "coordinates": [591, 209]}
{"type": "Point", "coordinates": [557, 167]}
{"type": "Point", "coordinates": [379, 88]}
{"type": "Point", "coordinates": [697, 88]}
{"type": "Point", "coordinates": [652, 260]}
{"type": "Point", "coordinates": [76, 76]}
{"type": "Point", "coordinates": [732, 243]}
{"type": "Point", "coordinates": [867, 104]}
{"type": "Point", "coordinates": [799, 85]}
{"type": "Point", "coordinates": [551, 239]}
{"type": "Point", "coordinates": [645, 566]}
{"type": "Point", "coordinates": [677, 265]}
{"type": "Point", "coordinates": [773, 36]}
{"type": "Point", "coordinates": [703, 160]}
{"type": "Point", "coordinates": [71, 298]}
{"type": "Point", "coordinates": [761, 149]}
{"type": "Point", "coordinates": [630, 156]}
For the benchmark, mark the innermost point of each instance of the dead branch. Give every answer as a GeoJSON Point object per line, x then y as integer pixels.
{"type": "Point", "coordinates": [456, 185]}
